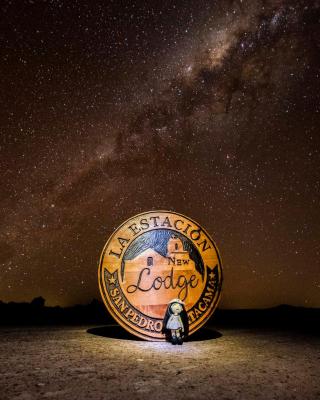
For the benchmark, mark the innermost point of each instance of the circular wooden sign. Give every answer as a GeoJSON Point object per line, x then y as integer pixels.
{"type": "Point", "coordinates": [155, 257]}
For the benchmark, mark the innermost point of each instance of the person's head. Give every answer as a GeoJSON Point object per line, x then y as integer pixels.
{"type": "Point", "coordinates": [176, 308]}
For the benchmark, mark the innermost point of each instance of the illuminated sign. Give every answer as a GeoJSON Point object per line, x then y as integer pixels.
{"type": "Point", "coordinates": [155, 257]}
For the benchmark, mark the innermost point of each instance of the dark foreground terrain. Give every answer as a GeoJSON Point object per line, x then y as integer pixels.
{"type": "Point", "coordinates": [106, 363]}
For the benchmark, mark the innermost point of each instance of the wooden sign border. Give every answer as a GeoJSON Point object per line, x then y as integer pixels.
{"type": "Point", "coordinates": [213, 306]}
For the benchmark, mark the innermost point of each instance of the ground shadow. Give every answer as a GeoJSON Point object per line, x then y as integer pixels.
{"type": "Point", "coordinates": [114, 332]}
{"type": "Point", "coordinates": [117, 332]}
{"type": "Point", "coordinates": [204, 334]}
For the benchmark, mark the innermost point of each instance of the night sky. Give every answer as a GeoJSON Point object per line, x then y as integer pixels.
{"type": "Point", "coordinates": [207, 108]}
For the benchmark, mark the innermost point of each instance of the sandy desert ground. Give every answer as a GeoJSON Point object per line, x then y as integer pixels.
{"type": "Point", "coordinates": [105, 363]}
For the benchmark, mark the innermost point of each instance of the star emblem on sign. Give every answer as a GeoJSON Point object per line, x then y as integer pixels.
{"type": "Point", "coordinates": [211, 275]}
{"type": "Point", "coordinates": [112, 280]}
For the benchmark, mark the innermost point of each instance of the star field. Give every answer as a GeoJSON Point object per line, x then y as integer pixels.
{"type": "Point", "coordinates": [207, 108]}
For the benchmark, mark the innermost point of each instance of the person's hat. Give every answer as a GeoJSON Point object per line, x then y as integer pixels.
{"type": "Point", "coordinates": [176, 301]}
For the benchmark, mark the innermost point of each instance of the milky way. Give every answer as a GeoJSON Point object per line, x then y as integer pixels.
{"type": "Point", "coordinates": [210, 109]}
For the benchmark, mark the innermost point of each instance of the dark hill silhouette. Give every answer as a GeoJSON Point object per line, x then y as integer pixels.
{"type": "Point", "coordinates": [280, 317]}
{"type": "Point", "coordinates": [36, 313]}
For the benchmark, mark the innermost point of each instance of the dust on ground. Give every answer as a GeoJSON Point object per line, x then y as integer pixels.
{"type": "Point", "coordinates": [70, 363]}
